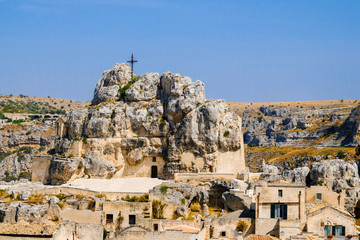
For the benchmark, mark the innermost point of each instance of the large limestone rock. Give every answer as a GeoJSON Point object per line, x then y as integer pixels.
{"type": "Point", "coordinates": [144, 89]}
{"type": "Point", "coordinates": [23, 213]}
{"type": "Point", "coordinates": [336, 174]}
{"type": "Point", "coordinates": [110, 83]}
{"type": "Point", "coordinates": [164, 118]}
{"type": "Point", "coordinates": [180, 95]}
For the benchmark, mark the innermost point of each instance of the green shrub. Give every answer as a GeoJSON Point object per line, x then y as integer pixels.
{"type": "Point", "coordinates": [4, 155]}
{"type": "Point", "coordinates": [158, 209]}
{"type": "Point", "coordinates": [28, 132]}
{"type": "Point", "coordinates": [25, 175]}
{"type": "Point", "coordinates": [42, 148]}
{"type": "Point", "coordinates": [242, 226]}
{"type": "Point", "coordinates": [127, 86]}
{"type": "Point", "coordinates": [142, 198]}
{"type": "Point", "coordinates": [298, 126]}
{"type": "Point", "coordinates": [84, 139]}
{"type": "Point", "coordinates": [163, 189]}
{"type": "Point", "coordinates": [21, 157]}
{"type": "Point", "coordinates": [183, 201]}
{"type": "Point", "coordinates": [2, 116]}
{"type": "Point", "coordinates": [226, 133]}
{"type": "Point", "coordinates": [8, 177]}
{"type": "Point", "coordinates": [61, 196]}
{"type": "Point", "coordinates": [25, 149]}
{"type": "Point", "coordinates": [18, 121]}
{"type": "Point", "coordinates": [341, 155]}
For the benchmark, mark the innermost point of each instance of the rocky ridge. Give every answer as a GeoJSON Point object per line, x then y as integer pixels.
{"type": "Point", "coordinates": [149, 116]}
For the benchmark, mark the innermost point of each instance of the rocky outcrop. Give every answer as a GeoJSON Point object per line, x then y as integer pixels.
{"type": "Point", "coordinates": [62, 170]}
{"type": "Point", "coordinates": [350, 129]}
{"type": "Point", "coordinates": [23, 213]}
{"type": "Point", "coordinates": [299, 126]}
{"type": "Point", "coordinates": [337, 174]}
{"type": "Point", "coordinates": [13, 166]}
{"type": "Point", "coordinates": [110, 83]}
{"type": "Point", "coordinates": [296, 175]}
{"type": "Point", "coordinates": [179, 196]}
{"type": "Point", "coordinates": [149, 117]}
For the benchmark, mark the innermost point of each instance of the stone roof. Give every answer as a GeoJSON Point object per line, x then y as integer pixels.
{"type": "Point", "coordinates": [313, 207]}
{"type": "Point", "coordinates": [260, 237]}
{"type": "Point", "coordinates": [184, 228]}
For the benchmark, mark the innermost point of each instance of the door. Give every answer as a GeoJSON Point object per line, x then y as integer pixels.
{"type": "Point", "coordinates": [154, 172]}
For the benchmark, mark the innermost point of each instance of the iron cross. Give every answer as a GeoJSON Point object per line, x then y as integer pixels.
{"type": "Point", "coordinates": [132, 61]}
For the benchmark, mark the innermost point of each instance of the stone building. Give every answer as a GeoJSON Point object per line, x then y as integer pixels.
{"type": "Point", "coordinates": [326, 214]}
{"type": "Point", "coordinates": [280, 209]}
{"type": "Point", "coordinates": [288, 210]}
{"type": "Point", "coordinates": [122, 214]}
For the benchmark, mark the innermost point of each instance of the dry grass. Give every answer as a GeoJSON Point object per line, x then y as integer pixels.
{"type": "Point", "coordinates": [305, 104]}
{"type": "Point", "coordinates": [55, 102]}
{"type": "Point", "coordinates": [36, 199]}
{"type": "Point", "coordinates": [280, 154]}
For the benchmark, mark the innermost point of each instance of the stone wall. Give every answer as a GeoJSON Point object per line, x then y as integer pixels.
{"type": "Point", "coordinates": [174, 235]}
{"type": "Point", "coordinates": [330, 216]}
{"type": "Point", "coordinates": [202, 177]}
{"type": "Point", "coordinates": [327, 195]}
{"type": "Point", "coordinates": [40, 168]}
{"type": "Point", "coordinates": [73, 230]}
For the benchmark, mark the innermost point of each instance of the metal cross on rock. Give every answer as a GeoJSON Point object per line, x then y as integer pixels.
{"type": "Point", "coordinates": [132, 61]}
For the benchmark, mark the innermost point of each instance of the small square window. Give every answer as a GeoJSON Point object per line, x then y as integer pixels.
{"type": "Point", "coordinates": [156, 227]}
{"type": "Point", "coordinates": [280, 193]}
{"type": "Point", "coordinates": [132, 219]}
{"type": "Point", "coordinates": [154, 159]}
{"type": "Point", "coordinates": [318, 196]}
{"type": "Point", "coordinates": [223, 234]}
{"type": "Point", "coordinates": [109, 218]}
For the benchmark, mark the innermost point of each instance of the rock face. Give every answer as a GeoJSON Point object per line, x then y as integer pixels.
{"type": "Point", "coordinates": [148, 125]}
{"type": "Point", "coordinates": [18, 212]}
{"type": "Point", "coordinates": [110, 83]}
{"type": "Point", "coordinates": [350, 129]}
{"type": "Point", "coordinates": [336, 174]}
{"type": "Point", "coordinates": [300, 126]}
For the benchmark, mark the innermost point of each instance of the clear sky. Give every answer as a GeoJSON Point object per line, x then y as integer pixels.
{"type": "Point", "coordinates": [245, 51]}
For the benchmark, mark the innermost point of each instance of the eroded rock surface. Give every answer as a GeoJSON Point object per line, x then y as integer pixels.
{"type": "Point", "coordinates": [133, 121]}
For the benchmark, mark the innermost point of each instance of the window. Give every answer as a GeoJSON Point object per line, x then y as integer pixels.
{"type": "Point", "coordinates": [156, 227]}
{"type": "Point", "coordinates": [318, 196]}
{"type": "Point", "coordinates": [132, 219]}
{"type": "Point", "coordinates": [280, 193]}
{"type": "Point", "coordinates": [278, 211]}
{"type": "Point", "coordinates": [338, 230]}
{"type": "Point", "coordinates": [327, 230]}
{"type": "Point", "coordinates": [223, 234]}
{"type": "Point", "coordinates": [109, 218]}
{"type": "Point", "coordinates": [154, 159]}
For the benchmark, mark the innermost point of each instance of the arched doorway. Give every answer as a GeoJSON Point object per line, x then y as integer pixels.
{"type": "Point", "coordinates": [154, 171]}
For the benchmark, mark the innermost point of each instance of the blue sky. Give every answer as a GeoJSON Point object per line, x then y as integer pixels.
{"type": "Point", "coordinates": [244, 51]}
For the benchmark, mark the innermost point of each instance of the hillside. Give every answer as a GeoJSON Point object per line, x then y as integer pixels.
{"type": "Point", "coordinates": [288, 134]}
{"type": "Point", "coordinates": [27, 127]}
{"type": "Point", "coordinates": [293, 134]}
